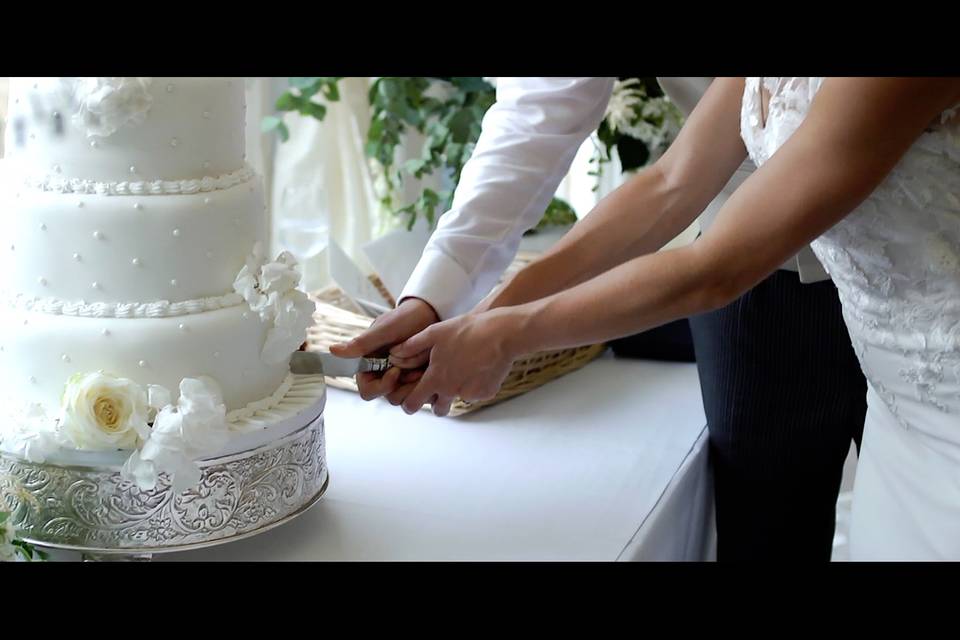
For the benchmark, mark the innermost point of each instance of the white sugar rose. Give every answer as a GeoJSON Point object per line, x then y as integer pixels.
{"type": "Point", "coordinates": [106, 104]}
{"type": "Point", "coordinates": [100, 412]}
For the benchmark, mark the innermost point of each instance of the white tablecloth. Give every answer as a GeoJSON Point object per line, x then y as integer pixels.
{"type": "Point", "coordinates": [606, 463]}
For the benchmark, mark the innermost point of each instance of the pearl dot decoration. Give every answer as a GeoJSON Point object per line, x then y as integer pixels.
{"type": "Point", "coordinates": [176, 233]}
{"type": "Point", "coordinates": [31, 380]}
{"type": "Point", "coordinates": [77, 257]}
{"type": "Point", "coordinates": [206, 115]}
{"type": "Point", "coordinates": [43, 227]}
{"type": "Point", "coordinates": [133, 169]}
{"type": "Point", "coordinates": [42, 281]}
{"type": "Point", "coordinates": [142, 364]}
{"type": "Point", "coordinates": [97, 235]}
{"type": "Point", "coordinates": [94, 144]}
{"type": "Point", "coordinates": [245, 315]}
{"type": "Point", "coordinates": [95, 285]}
{"type": "Point", "coordinates": [174, 142]}
{"type": "Point", "coordinates": [170, 88]}
{"type": "Point", "coordinates": [207, 200]}
{"type": "Point", "coordinates": [65, 358]}
{"type": "Point", "coordinates": [135, 262]}
{"type": "Point", "coordinates": [105, 332]}
{"type": "Point", "coordinates": [173, 282]}
{"type": "Point", "coordinates": [216, 354]}
{"type": "Point", "coordinates": [137, 206]}
{"type": "Point", "coordinates": [80, 205]}
{"type": "Point", "coordinates": [56, 168]}
{"type": "Point", "coordinates": [182, 327]}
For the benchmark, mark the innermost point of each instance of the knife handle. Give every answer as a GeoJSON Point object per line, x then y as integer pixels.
{"type": "Point", "coordinates": [374, 365]}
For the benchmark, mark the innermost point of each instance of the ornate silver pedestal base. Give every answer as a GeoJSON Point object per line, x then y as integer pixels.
{"type": "Point", "coordinates": [90, 509]}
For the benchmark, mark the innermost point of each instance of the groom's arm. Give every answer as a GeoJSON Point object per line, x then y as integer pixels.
{"type": "Point", "coordinates": [529, 139]}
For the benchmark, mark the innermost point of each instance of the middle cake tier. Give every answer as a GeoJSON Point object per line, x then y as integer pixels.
{"type": "Point", "coordinates": [39, 352]}
{"type": "Point", "coordinates": [67, 249]}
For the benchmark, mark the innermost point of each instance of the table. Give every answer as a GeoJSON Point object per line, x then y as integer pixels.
{"type": "Point", "coordinates": [607, 463]}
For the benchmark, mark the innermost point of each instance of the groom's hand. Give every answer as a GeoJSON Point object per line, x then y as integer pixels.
{"type": "Point", "coordinates": [410, 317]}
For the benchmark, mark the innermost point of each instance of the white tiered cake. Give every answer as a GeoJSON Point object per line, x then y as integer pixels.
{"type": "Point", "coordinates": [139, 312]}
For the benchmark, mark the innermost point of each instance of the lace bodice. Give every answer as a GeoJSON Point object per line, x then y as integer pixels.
{"type": "Point", "coordinates": [895, 259]}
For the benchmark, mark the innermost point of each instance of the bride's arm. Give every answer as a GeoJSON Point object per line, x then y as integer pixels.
{"type": "Point", "coordinates": [649, 210]}
{"type": "Point", "coordinates": [854, 133]}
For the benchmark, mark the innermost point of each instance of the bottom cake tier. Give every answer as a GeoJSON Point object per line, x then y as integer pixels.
{"type": "Point", "coordinates": [273, 469]}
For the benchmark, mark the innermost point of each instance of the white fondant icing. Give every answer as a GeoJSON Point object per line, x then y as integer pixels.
{"type": "Point", "coordinates": [145, 147]}
{"type": "Point", "coordinates": [171, 354]}
{"type": "Point", "coordinates": [108, 233]}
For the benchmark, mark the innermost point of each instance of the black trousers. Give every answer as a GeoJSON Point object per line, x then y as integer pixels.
{"type": "Point", "coordinates": [784, 396]}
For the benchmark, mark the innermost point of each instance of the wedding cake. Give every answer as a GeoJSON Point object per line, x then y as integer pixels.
{"type": "Point", "coordinates": [141, 317]}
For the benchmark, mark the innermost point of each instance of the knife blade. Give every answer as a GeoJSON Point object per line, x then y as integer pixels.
{"type": "Point", "coordinates": [316, 362]}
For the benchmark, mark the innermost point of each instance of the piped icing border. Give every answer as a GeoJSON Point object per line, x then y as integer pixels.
{"type": "Point", "coordinates": [265, 404]}
{"type": "Point", "coordinates": [157, 309]}
{"type": "Point", "coordinates": [143, 187]}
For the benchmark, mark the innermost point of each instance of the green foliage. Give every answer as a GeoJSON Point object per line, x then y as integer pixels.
{"type": "Point", "coordinates": [300, 98]}
{"type": "Point", "coordinates": [448, 112]}
{"type": "Point", "coordinates": [24, 549]}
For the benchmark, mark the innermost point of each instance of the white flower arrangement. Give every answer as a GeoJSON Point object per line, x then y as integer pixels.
{"type": "Point", "coordinates": [104, 105]}
{"type": "Point", "coordinates": [270, 288]}
{"type": "Point", "coordinates": [655, 121]}
{"type": "Point", "coordinates": [100, 412]}
{"type": "Point", "coordinates": [8, 534]}
{"type": "Point", "coordinates": [12, 549]}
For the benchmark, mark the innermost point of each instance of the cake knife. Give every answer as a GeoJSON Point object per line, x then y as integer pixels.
{"type": "Point", "coordinates": [316, 362]}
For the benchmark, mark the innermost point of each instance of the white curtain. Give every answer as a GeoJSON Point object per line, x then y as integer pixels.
{"type": "Point", "coordinates": [321, 172]}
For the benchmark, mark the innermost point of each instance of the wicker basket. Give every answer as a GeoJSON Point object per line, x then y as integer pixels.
{"type": "Point", "coordinates": [338, 319]}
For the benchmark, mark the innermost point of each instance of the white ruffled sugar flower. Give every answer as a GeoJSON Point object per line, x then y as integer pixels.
{"type": "Point", "coordinates": [293, 316]}
{"type": "Point", "coordinates": [270, 288]}
{"type": "Point", "coordinates": [28, 432]}
{"type": "Point", "coordinates": [101, 412]}
{"type": "Point", "coordinates": [194, 426]}
{"type": "Point", "coordinates": [247, 283]}
{"type": "Point", "coordinates": [281, 275]}
{"type": "Point", "coordinates": [104, 105]}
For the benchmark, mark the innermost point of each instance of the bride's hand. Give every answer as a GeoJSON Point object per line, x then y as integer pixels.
{"type": "Point", "coordinates": [470, 356]}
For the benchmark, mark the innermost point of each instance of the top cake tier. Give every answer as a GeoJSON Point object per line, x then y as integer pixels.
{"type": "Point", "coordinates": [125, 130]}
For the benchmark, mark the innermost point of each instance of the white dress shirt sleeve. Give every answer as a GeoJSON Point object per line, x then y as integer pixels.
{"type": "Point", "coordinates": [529, 139]}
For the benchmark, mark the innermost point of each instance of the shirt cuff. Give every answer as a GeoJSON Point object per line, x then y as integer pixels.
{"type": "Point", "coordinates": [441, 282]}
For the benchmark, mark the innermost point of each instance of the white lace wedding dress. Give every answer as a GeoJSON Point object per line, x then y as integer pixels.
{"type": "Point", "coordinates": [896, 263]}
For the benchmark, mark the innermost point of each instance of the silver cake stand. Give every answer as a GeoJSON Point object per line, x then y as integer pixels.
{"type": "Point", "coordinates": [90, 509]}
